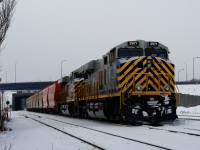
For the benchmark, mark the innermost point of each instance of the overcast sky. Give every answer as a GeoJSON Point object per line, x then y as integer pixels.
{"type": "Point", "coordinates": [45, 32]}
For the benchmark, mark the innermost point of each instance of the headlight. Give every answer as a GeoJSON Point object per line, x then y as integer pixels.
{"type": "Point", "coordinates": [167, 88]}
{"type": "Point", "coordinates": [138, 87]}
{"type": "Point", "coordinates": [149, 63]}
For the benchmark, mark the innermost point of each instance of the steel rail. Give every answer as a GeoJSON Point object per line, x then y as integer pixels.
{"type": "Point", "coordinates": [114, 135]}
{"type": "Point", "coordinates": [89, 143]}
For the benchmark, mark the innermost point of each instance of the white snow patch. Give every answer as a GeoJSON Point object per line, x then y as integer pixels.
{"type": "Point", "coordinates": [28, 134]}
{"type": "Point", "coordinates": [188, 110]}
{"type": "Point", "coordinates": [192, 89]}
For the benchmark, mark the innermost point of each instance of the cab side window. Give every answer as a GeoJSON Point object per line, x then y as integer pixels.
{"type": "Point", "coordinates": [105, 60]}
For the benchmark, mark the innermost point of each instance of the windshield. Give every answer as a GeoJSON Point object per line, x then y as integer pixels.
{"type": "Point", "coordinates": [156, 52]}
{"type": "Point", "coordinates": [129, 52]}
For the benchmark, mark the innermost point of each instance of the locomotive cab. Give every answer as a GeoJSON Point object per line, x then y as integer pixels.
{"type": "Point", "coordinates": [146, 81]}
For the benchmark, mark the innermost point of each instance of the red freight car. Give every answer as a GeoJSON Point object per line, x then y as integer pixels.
{"type": "Point", "coordinates": [40, 99]}
{"type": "Point", "coordinates": [45, 99]}
{"type": "Point", "coordinates": [53, 91]}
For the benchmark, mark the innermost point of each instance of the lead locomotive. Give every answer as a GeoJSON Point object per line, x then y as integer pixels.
{"type": "Point", "coordinates": [134, 81]}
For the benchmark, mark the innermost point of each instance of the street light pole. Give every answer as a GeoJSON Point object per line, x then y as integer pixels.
{"type": "Point", "coordinates": [61, 67]}
{"type": "Point", "coordinates": [179, 72]}
{"type": "Point", "coordinates": [186, 72]}
{"type": "Point", "coordinates": [193, 65]}
{"type": "Point", "coordinates": [15, 70]}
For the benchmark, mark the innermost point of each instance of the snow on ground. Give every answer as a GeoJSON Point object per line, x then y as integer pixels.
{"type": "Point", "coordinates": [188, 110]}
{"type": "Point", "coordinates": [28, 134]}
{"type": "Point", "coordinates": [192, 89]}
{"type": "Point", "coordinates": [31, 135]}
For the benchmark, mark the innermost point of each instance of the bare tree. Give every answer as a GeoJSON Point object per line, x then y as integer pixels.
{"type": "Point", "coordinates": [6, 14]}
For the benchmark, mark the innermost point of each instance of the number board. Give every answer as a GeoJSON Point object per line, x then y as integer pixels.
{"type": "Point", "coordinates": [153, 44]}
{"type": "Point", "coordinates": [133, 43]}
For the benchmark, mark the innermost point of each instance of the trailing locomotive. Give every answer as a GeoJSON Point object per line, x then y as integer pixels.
{"type": "Point", "coordinates": [134, 81]}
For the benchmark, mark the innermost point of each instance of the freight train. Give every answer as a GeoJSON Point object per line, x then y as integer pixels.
{"type": "Point", "coordinates": [134, 81]}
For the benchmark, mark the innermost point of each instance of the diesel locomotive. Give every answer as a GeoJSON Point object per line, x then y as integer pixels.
{"type": "Point", "coordinates": [134, 81]}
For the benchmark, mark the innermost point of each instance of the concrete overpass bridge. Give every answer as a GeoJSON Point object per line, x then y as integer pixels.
{"type": "Point", "coordinates": [24, 86]}
{"type": "Point", "coordinates": [19, 98]}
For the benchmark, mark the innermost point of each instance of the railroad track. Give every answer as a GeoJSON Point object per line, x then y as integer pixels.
{"type": "Point", "coordinates": [95, 130]}
{"type": "Point", "coordinates": [189, 117]}
{"type": "Point", "coordinates": [80, 139]}
{"type": "Point", "coordinates": [147, 125]}
{"type": "Point", "coordinates": [192, 129]}
{"type": "Point", "coordinates": [175, 131]}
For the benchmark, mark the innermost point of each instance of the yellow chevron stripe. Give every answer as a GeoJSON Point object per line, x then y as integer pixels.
{"type": "Point", "coordinates": [127, 71]}
{"type": "Point", "coordinates": [156, 81]}
{"type": "Point", "coordinates": [170, 66]}
{"type": "Point", "coordinates": [128, 78]}
{"type": "Point", "coordinates": [158, 67]}
{"type": "Point", "coordinates": [145, 62]}
{"type": "Point", "coordinates": [77, 83]}
{"type": "Point", "coordinates": [131, 83]}
{"type": "Point", "coordinates": [172, 85]}
{"type": "Point", "coordinates": [155, 87]}
{"type": "Point", "coordinates": [124, 66]}
{"type": "Point", "coordinates": [142, 80]}
{"type": "Point", "coordinates": [151, 75]}
{"type": "Point", "coordinates": [164, 66]}
{"type": "Point", "coordinates": [171, 90]}
{"type": "Point", "coordinates": [162, 88]}
{"type": "Point", "coordinates": [144, 86]}
{"type": "Point", "coordinates": [166, 77]}
{"type": "Point", "coordinates": [138, 75]}
{"type": "Point", "coordinates": [155, 71]}
{"type": "Point", "coordinates": [161, 72]}
{"type": "Point", "coordinates": [165, 83]}
{"type": "Point", "coordinates": [172, 77]}
{"type": "Point", "coordinates": [149, 57]}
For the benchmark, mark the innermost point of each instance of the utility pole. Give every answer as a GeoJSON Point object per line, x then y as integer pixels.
{"type": "Point", "coordinates": [179, 72]}
{"type": "Point", "coordinates": [193, 65]}
{"type": "Point", "coordinates": [186, 72]}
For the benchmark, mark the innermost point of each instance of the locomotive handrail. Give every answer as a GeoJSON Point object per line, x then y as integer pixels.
{"type": "Point", "coordinates": [177, 95]}
{"type": "Point", "coordinates": [158, 90]}
{"type": "Point", "coordinates": [158, 85]}
{"type": "Point", "coordinates": [147, 77]}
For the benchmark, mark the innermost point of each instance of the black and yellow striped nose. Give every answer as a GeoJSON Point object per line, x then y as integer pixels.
{"type": "Point", "coordinates": [151, 73]}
